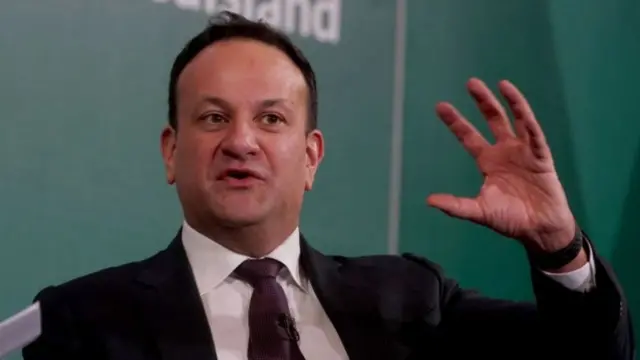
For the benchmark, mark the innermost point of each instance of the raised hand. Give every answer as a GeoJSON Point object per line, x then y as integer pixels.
{"type": "Point", "coordinates": [521, 196]}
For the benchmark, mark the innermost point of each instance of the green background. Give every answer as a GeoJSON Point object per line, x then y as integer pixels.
{"type": "Point", "coordinates": [83, 89]}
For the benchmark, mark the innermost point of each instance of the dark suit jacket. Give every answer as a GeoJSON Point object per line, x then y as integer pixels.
{"type": "Point", "coordinates": [383, 307]}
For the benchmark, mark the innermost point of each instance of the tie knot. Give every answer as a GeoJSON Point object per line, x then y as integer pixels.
{"type": "Point", "coordinates": [254, 271]}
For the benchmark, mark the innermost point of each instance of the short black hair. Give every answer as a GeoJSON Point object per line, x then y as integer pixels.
{"type": "Point", "coordinates": [227, 25]}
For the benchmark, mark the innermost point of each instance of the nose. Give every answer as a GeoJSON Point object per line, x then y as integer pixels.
{"type": "Point", "coordinates": [240, 141]}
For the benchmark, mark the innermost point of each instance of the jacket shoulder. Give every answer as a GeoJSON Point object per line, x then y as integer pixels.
{"type": "Point", "coordinates": [383, 271]}
{"type": "Point", "coordinates": [94, 289]}
{"type": "Point", "coordinates": [402, 262]}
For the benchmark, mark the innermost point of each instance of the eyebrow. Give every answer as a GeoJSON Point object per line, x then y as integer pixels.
{"type": "Point", "coordinates": [271, 102]}
{"type": "Point", "coordinates": [214, 100]}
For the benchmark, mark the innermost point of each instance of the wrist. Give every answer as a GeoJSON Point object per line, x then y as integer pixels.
{"type": "Point", "coordinates": [562, 255]}
{"type": "Point", "coordinates": [557, 241]}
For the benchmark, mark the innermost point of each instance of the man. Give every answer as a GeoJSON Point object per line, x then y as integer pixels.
{"type": "Point", "coordinates": [240, 281]}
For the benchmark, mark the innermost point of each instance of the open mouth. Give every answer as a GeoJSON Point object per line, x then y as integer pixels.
{"type": "Point", "coordinates": [238, 174]}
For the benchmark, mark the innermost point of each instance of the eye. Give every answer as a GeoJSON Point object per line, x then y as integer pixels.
{"type": "Point", "coordinates": [271, 119]}
{"type": "Point", "coordinates": [214, 118]}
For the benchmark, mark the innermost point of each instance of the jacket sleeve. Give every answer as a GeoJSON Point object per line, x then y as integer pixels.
{"type": "Point", "coordinates": [561, 324]}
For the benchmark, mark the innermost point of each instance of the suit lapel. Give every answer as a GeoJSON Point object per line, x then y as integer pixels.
{"type": "Point", "coordinates": [172, 307]}
{"type": "Point", "coordinates": [352, 307]}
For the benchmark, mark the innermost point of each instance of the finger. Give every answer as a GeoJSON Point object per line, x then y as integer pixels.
{"type": "Point", "coordinates": [521, 131]}
{"type": "Point", "coordinates": [525, 121]}
{"type": "Point", "coordinates": [491, 109]}
{"type": "Point", "coordinates": [464, 131]}
{"type": "Point", "coordinates": [459, 207]}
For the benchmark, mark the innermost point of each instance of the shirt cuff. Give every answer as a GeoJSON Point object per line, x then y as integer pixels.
{"type": "Point", "coordinates": [582, 279]}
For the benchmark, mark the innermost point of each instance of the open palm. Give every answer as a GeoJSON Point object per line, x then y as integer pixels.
{"type": "Point", "coordinates": [521, 196]}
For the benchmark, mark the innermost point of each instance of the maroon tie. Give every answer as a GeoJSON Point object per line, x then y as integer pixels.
{"type": "Point", "coordinates": [272, 331]}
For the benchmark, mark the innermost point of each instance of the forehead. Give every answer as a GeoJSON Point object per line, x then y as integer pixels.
{"type": "Point", "coordinates": [240, 69]}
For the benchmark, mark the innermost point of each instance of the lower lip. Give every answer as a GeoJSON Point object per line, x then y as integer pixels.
{"type": "Point", "coordinates": [240, 183]}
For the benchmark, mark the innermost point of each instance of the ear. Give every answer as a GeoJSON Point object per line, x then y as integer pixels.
{"type": "Point", "coordinates": [168, 148]}
{"type": "Point", "coordinates": [315, 153]}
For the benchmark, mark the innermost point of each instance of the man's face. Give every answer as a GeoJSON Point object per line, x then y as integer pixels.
{"type": "Point", "coordinates": [241, 154]}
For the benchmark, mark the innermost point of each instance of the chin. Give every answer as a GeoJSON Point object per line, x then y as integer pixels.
{"type": "Point", "coordinates": [240, 211]}
{"type": "Point", "coordinates": [237, 222]}
{"type": "Point", "coordinates": [236, 218]}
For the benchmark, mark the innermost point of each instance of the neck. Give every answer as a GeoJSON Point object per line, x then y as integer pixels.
{"type": "Point", "coordinates": [255, 240]}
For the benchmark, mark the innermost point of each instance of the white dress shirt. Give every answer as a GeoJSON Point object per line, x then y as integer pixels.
{"type": "Point", "coordinates": [226, 298]}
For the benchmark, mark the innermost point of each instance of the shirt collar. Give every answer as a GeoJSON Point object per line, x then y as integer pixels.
{"type": "Point", "coordinates": [212, 263]}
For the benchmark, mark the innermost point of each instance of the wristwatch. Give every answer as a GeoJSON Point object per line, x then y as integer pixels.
{"type": "Point", "coordinates": [557, 259]}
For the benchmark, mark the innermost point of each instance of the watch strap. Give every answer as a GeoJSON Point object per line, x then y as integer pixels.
{"type": "Point", "coordinates": [557, 259]}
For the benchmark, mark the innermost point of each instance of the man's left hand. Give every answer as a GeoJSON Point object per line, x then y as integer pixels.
{"type": "Point", "coordinates": [521, 196]}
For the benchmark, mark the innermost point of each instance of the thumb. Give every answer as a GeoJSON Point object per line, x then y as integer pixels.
{"type": "Point", "coordinates": [459, 207]}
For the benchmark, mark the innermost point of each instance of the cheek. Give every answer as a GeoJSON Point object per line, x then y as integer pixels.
{"type": "Point", "coordinates": [291, 163]}
{"type": "Point", "coordinates": [193, 157]}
